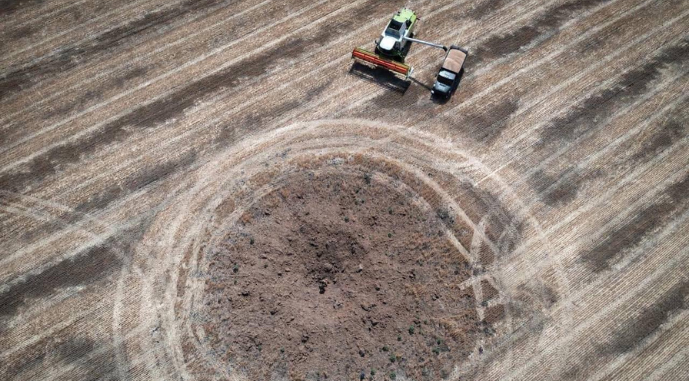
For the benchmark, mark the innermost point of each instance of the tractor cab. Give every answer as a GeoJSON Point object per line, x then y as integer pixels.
{"type": "Point", "coordinates": [392, 37]}
{"type": "Point", "coordinates": [393, 42]}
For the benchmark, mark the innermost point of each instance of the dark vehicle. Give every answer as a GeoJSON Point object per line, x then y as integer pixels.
{"type": "Point", "coordinates": [450, 73]}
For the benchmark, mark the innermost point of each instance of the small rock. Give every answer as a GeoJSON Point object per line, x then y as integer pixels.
{"type": "Point", "coordinates": [360, 268]}
{"type": "Point", "coordinates": [367, 307]}
{"type": "Point", "coordinates": [328, 267]}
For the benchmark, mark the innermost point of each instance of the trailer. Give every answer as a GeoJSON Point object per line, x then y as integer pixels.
{"type": "Point", "coordinates": [450, 73]}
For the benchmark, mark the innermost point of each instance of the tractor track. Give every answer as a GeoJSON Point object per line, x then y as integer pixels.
{"type": "Point", "coordinates": [557, 173]}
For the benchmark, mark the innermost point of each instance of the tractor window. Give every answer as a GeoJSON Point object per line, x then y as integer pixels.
{"type": "Point", "coordinates": [393, 29]}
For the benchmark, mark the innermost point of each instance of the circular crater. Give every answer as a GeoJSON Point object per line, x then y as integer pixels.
{"type": "Point", "coordinates": [332, 248]}
{"type": "Point", "coordinates": [337, 271]}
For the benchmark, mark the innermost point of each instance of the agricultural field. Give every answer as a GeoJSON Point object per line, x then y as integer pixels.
{"type": "Point", "coordinates": [212, 190]}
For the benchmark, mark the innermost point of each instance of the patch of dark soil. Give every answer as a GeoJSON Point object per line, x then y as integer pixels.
{"type": "Point", "coordinates": [104, 198]}
{"type": "Point", "coordinates": [90, 96]}
{"type": "Point", "coordinates": [561, 189]}
{"type": "Point", "coordinates": [669, 134]}
{"type": "Point", "coordinates": [633, 231]}
{"type": "Point", "coordinates": [22, 32]}
{"type": "Point", "coordinates": [636, 329]}
{"type": "Point", "coordinates": [93, 360]}
{"type": "Point", "coordinates": [135, 182]}
{"type": "Point", "coordinates": [550, 297]}
{"type": "Point", "coordinates": [546, 24]}
{"type": "Point", "coordinates": [10, 6]}
{"type": "Point", "coordinates": [489, 292]}
{"type": "Point", "coordinates": [478, 11]}
{"type": "Point", "coordinates": [631, 333]}
{"type": "Point", "coordinates": [337, 277]}
{"type": "Point", "coordinates": [56, 158]}
{"type": "Point", "coordinates": [594, 110]}
{"type": "Point", "coordinates": [487, 125]}
{"type": "Point", "coordinates": [261, 116]}
{"type": "Point", "coordinates": [493, 314]}
{"type": "Point", "coordinates": [70, 57]}
{"type": "Point", "coordinates": [95, 263]}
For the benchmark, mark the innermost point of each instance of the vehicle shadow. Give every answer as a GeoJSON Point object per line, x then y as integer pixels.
{"type": "Point", "coordinates": [425, 86]}
{"type": "Point", "coordinates": [380, 77]}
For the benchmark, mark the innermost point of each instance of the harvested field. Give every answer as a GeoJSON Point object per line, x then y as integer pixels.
{"type": "Point", "coordinates": [210, 190]}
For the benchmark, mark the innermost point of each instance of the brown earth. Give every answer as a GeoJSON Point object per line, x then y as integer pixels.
{"type": "Point", "coordinates": [143, 142]}
{"type": "Point", "coordinates": [343, 276]}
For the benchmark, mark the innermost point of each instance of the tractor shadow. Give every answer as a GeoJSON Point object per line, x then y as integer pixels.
{"type": "Point", "coordinates": [380, 77]}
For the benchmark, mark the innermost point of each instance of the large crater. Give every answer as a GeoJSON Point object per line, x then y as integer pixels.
{"type": "Point", "coordinates": [336, 273]}
{"type": "Point", "coordinates": [331, 248]}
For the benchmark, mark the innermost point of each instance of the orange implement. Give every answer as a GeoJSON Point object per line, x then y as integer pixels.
{"type": "Point", "coordinates": [375, 59]}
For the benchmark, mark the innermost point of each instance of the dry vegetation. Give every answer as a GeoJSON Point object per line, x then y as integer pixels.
{"type": "Point", "coordinates": [206, 190]}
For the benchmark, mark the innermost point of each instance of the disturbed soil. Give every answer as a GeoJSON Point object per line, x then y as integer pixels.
{"type": "Point", "coordinates": [340, 276]}
{"type": "Point", "coordinates": [212, 190]}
